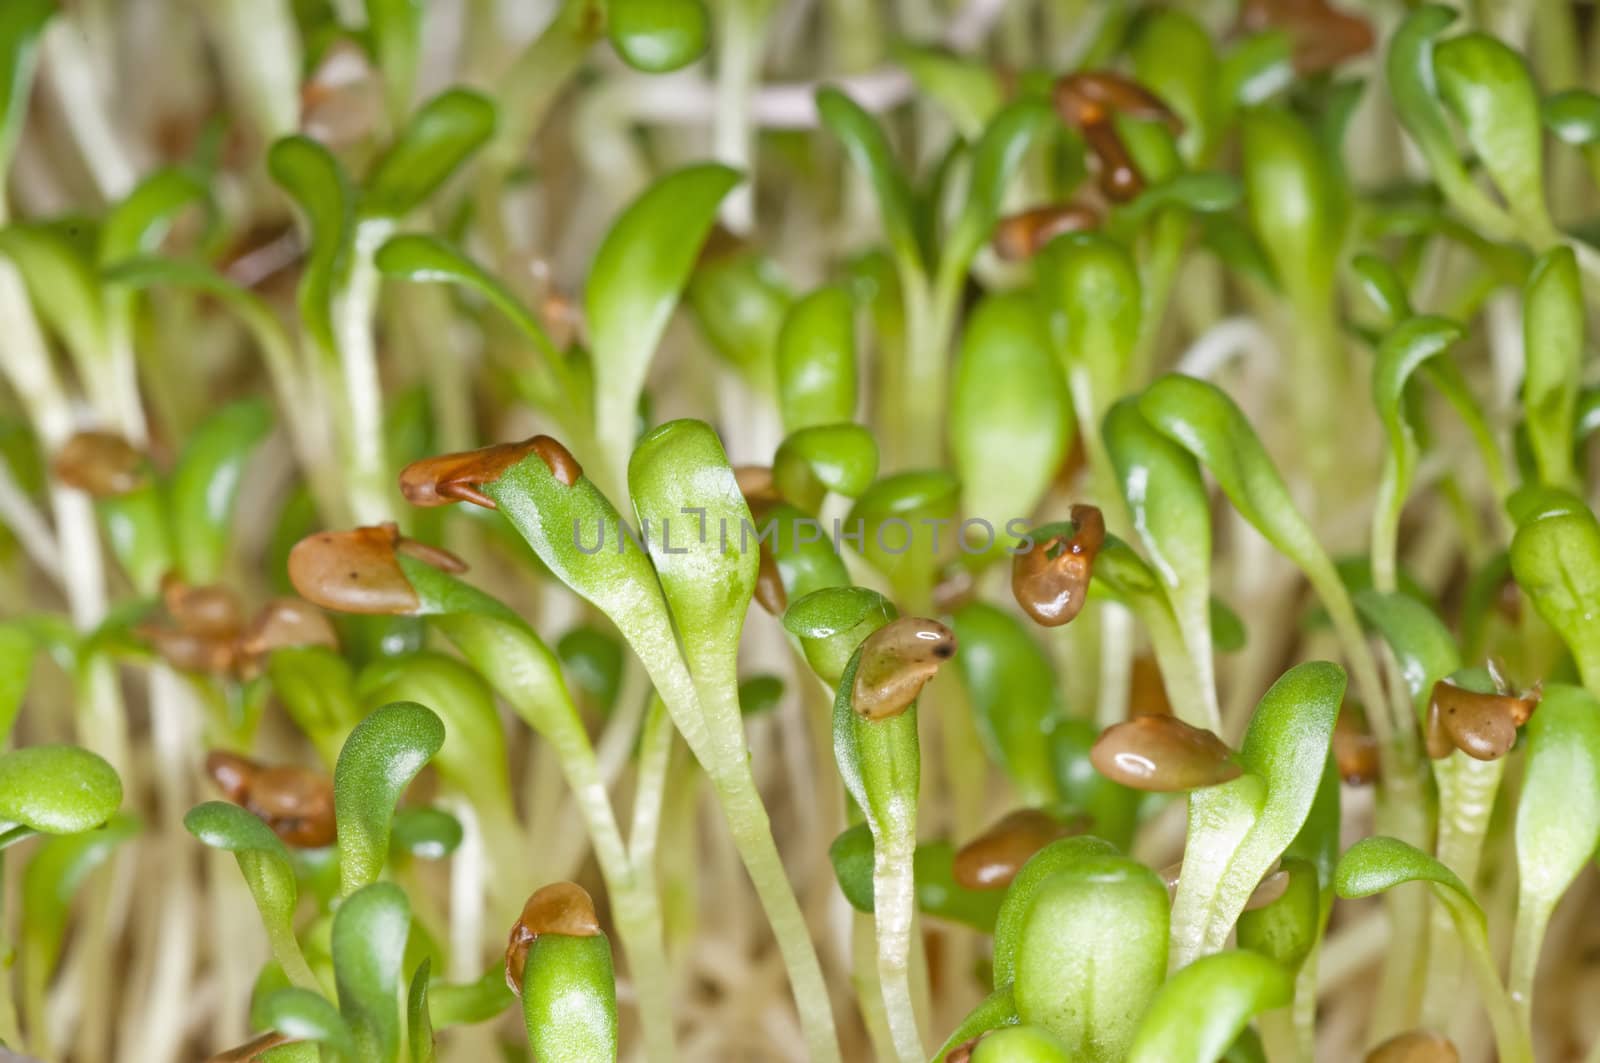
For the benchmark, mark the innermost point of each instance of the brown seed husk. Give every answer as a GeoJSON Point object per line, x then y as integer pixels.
{"type": "Point", "coordinates": [459, 477]}
{"type": "Point", "coordinates": [1052, 586]}
{"type": "Point", "coordinates": [897, 661]}
{"type": "Point", "coordinates": [1483, 726]}
{"type": "Point", "coordinates": [1355, 750]}
{"type": "Point", "coordinates": [296, 803]}
{"type": "Point", "coordinates": [250, 1050]}
{"type": "Point", "coordinates": [1415, 1046]}
{"type": "Point", "coordinates": [355, 571]}
{"type": "Point", "coordinates": [563, 908]}
{"type": "Point", "coordinates": [1018, 237]}
{"type": "Point", "coordinates": [101, 464]}
{"type": "Point", "coordinates": [285, 622]}
{"type": "Point", "coordinates": [210, 610]}
{"type": "Point", "coordinates": [992, 859]}
{"type": "Point", "coordinates": [1162, 754]}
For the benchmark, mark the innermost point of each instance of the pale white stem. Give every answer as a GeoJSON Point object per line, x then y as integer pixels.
{"type": "Point", "coordinates": [71, 77]}
{"type": "Point", "coordinates": [28, 525]}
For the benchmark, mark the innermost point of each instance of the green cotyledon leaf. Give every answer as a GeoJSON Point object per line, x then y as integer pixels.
{"type": "Point", "coordinates": [55, 789]}
{"type": "Point", "coordinates": [379, 759]}
{"type": "Point", "coordinates": [1379, 863]}
{"type": "Point", "coordinates": [1011, 419]}
{"type": "Point", "coordinates": [436, 141]}
{"type": "Point", "coordinates": [634, 283]}
{"type": "Point", "coordinates": [1203, 1007]}
{"type": "Point", "coordinates": [310, 175]}
{"type": "Point", "coordinates": [1555, 557]}
{"type": "Point", "coordinates": [205, 486]}
{"type": "Point", "coordinates": [369, 943]}
{"type": "Point", "coordinates": [1094, 904]}
{"type": "Point", "coordinates": [1553, 345]}
{"type": "Point", "coordinates": [1239, 829]}
{"type": "Point", "coordinates": [816, 360]}
{"type": "Point", "coordinates": [264, 862]}
{"type": "Point", "coordinates": [1012, 689]}
{"type": "Point", "coordinates": [1558, 820]}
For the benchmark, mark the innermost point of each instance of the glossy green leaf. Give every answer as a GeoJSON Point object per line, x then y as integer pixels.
{"type": "Point", "coordinates": [1258, 68]}
{"type": "Point", "coordinates": [54, 874]}
{"type": "Point", "coordinates": [423, 257]}
{"type": "Point", "coordinates": [1573, 116]}
{"type": "Point", "coordinates": [939, 894]}
{"type": "Point", "coordinates": [369, 944]}
{"type": "Point", "coordinates": [21, 23]}
{"type": "Point", "coordinates": [1092, 284]}
{"type": "Point", "coordinates": [968, 90]}
{"type": "Point", "coordinates": [419, 1022]}
{"type": "Point", "coordinates": [740, 299]}
{"type": "Point", "coordinates": [61, 281]}
{"type": "Point", "coordinates": [277, 349]}
{"type": "Point", "coordinates": [437, 140]}
{"type": "Point", "coordinates": [1013, 693]}
{"type": "Point", "coordinates": [55, 790]}
{"type": "Point", "coordinates": [1400, 355]}
{"type": "Point", "coordinates": [205, 485]}
{"type": "Point", "coordinates": [1172, 513]}
{"type": "Point", "coordinates": [569, 999]}
{"type": "Point", "coordinates": [306, 1015]}
{"type": "Point", "coordinates": [816, 358]}
{"type": "Point", "coordinates": [1487, 86]}
{"type": "Point", "coordinates": [1413, 81]}
{"type": "Point", "coordinates": [1202, 193]}
{"type": "Point", "coordinates": [425, 833]}
{"type": "Point", "coordinates": [870, 153]}
{"type": "Point", "coordinates": [473, 756]}
{"type": "Point", "coordinates": [1202, 419]}
{"type": "Point", "coordinates": [1092, 952]}
{"type": "Point", "coordinates": [593, 660]}
{"type": "Point", "coordinates": [1058, 856]}
{"type": "Point", "coordinates": [1204, 1006]}
{"type": "Point", "coordinates": [1553, 343]}
{"type": "Point", "coordinates": [832, 621]}
{"type": "Point", "coordinates": [379, 760]}
{"type": "Point", "coordinates": [310, 175]}
{"type": "Point", "coordinates": [907, 524]}
{"type": "Point", "coordinates": [264, 862]}
{"type": "Point", "coordinates": [1238, 830]}
{"type": "Point", "coordinates": [452, 1004]}
{"type": "Point", "coordinates": [637, 275]}
{"type": "Point", "coordinates": [994, 1012]}
{"type": "Point", "coordinates": [317, 688]}
{"type": "Point", "coordinates": [1378, 863]}
{"type": "Point", "coordinates": [1286, 930]}
{"type": "Point", "coordinates": [1555, 557]}
{"type": "Point", "coordinates": [1011, 418]}
{"type": "Point", "coordinates": [1295, 200]}
{"type": "Point", "coordinates": [1558, 819]}
{"type": "Point", "coordinates": [684, 490]}
{"type": "Point", "coordinates": [1173, 55]}
{"type": "Point", "coordinates": [803, 550]}
{"type": "Point", "coordinates": [1422, 646]}
{"type": "Point", "coordinates": [851, 857]}
{"type": "Point", "coordinates": [1375, 864]}
{"type": "Point", "coordinates": [580, 537]}
{"type": "Point", "coordinates": [1022, 1044]}
{"type": "Point", "coordinates": [657, 36]}
{"type": "Point", "coordinates": [996, 158]}
{"type": "Point", "coordinates": [841, 458]}
{"type": "Point", "coordinates": [760, 695]}
{"type": "Point", "coordinates": [1113, 808]}
{"type": "Point", "coordinates": [137, 225]}
{"type": "Point", "coordinates": [395, 27]}
{"type": "Point", "coordinates": [1383, 288]}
